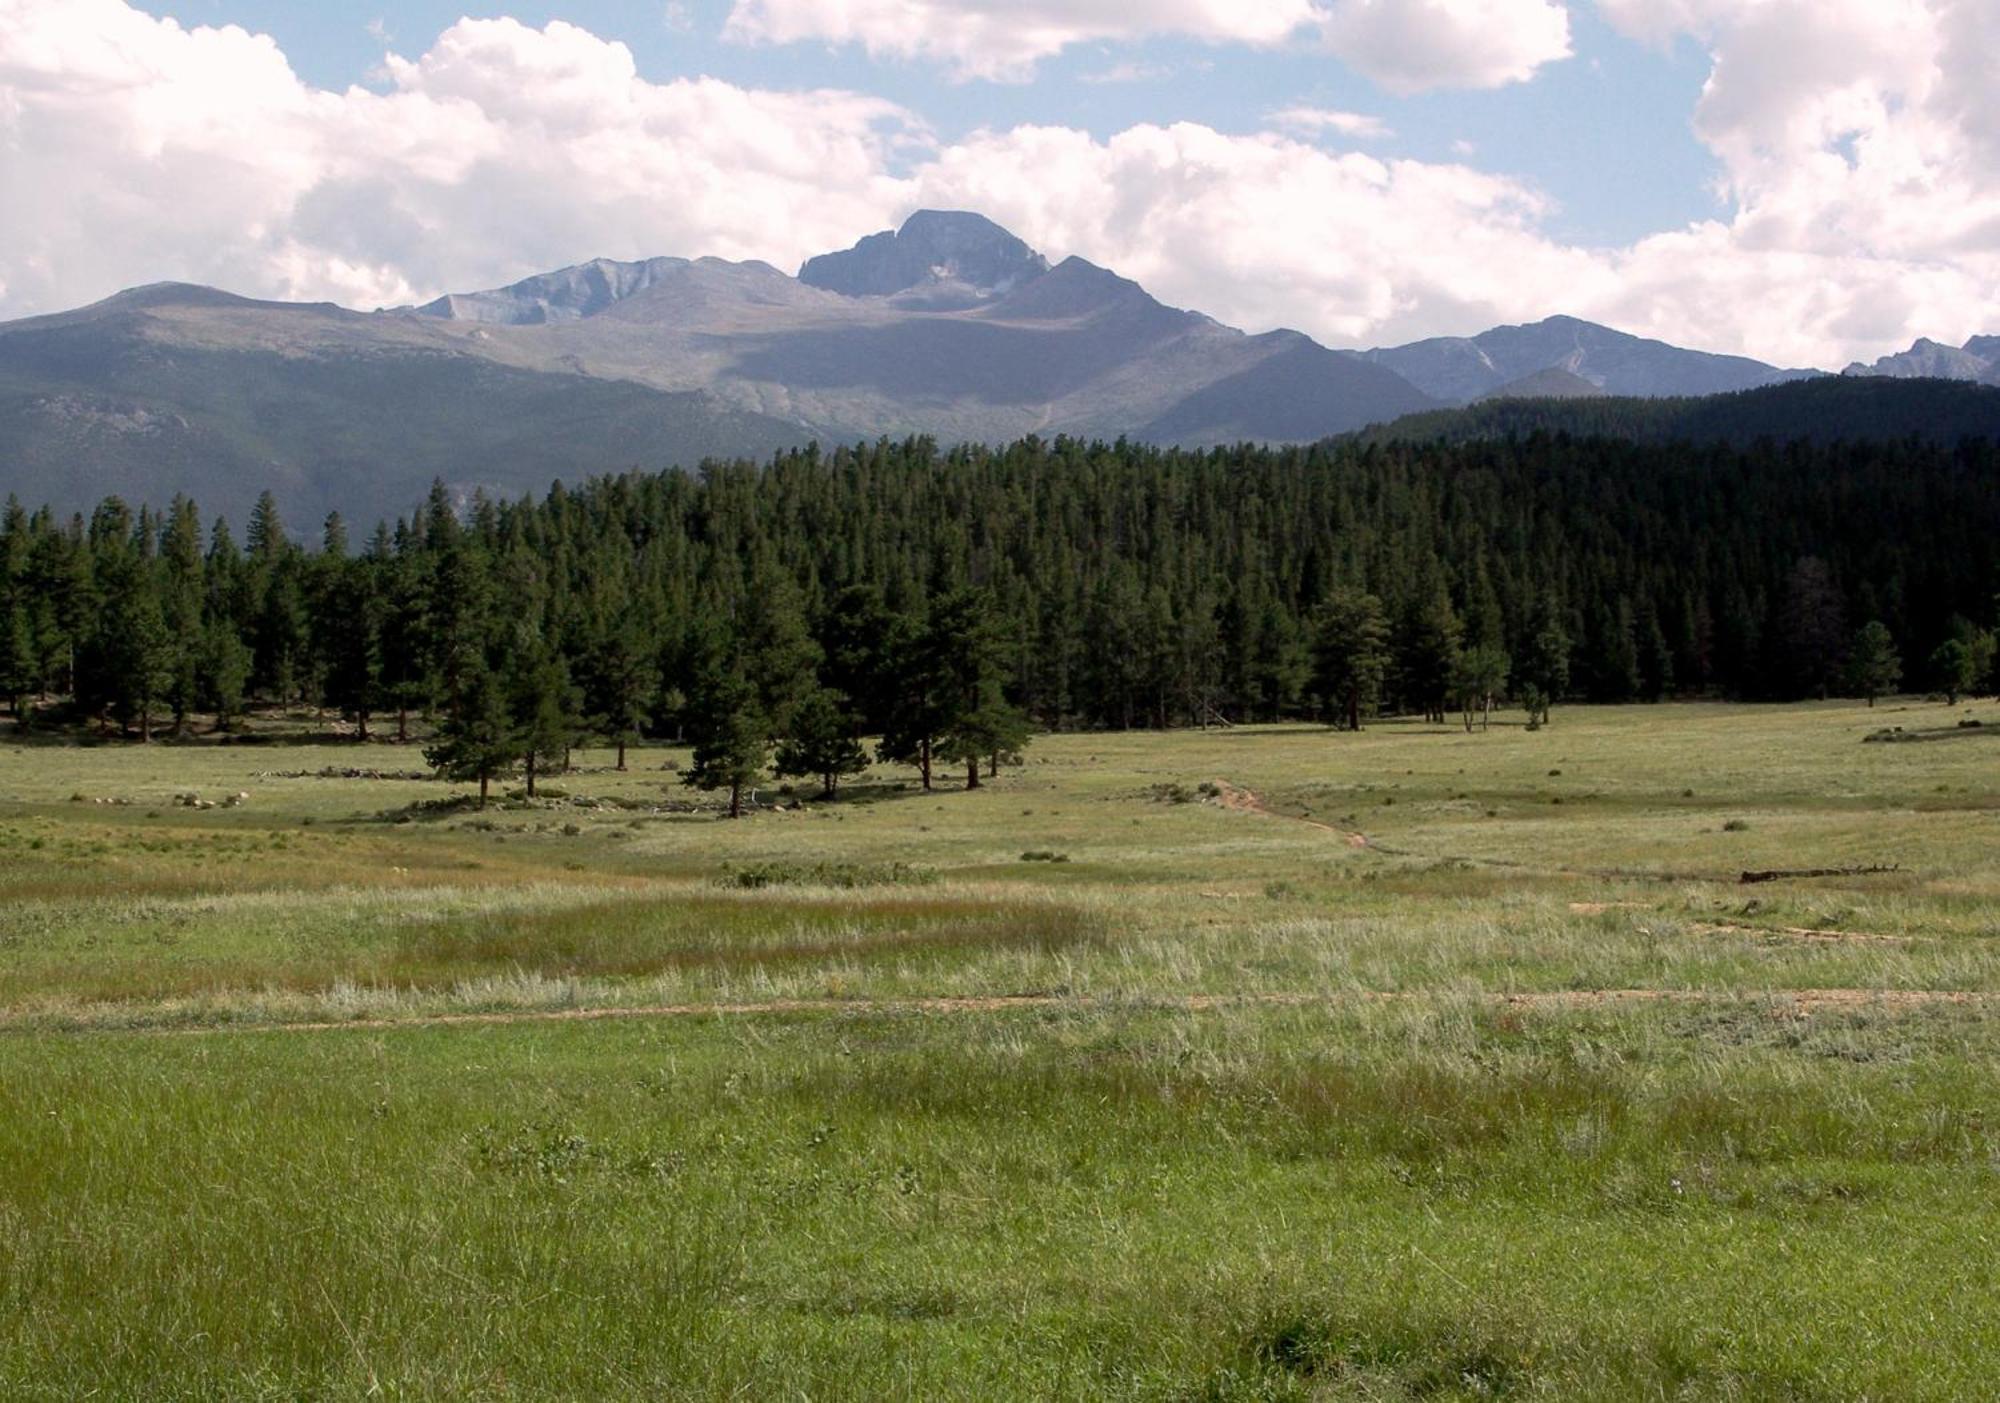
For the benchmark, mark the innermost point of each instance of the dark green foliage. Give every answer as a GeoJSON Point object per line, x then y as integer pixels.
{"type": "Point", "coordinates": [731, 736]}
{"type": "Point", "coordinates": [820, 742]}
{"type": "Point", "coordinates": [1084, 585]}
{"type": "Point", "coordinates": [1873, 666]}
{"type": "Point", "coordinates": [20, 663]}
{"type": "Point", "coordinates": [1830, 409]}
{"type": "Point", "coordinates": [477, 740]}
{"type": "Point", "coordinates": [544, 708]}
{"type": "Point", "coordinates": [1954, 668]}
{"type": "Point", "coordinates": [1350, 654]}
{"type": "Point", "coordinates": [991, 731]}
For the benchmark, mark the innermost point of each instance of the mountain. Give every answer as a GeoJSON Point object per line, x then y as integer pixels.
{"type": "Point", "coordinates": [1461, 369]}
{"type": "Point", "coordinates": [1978, 361]}
{"type": "Point", "coordinates": [1553, 383]}
{"type": "Point", "coordinates": [939, 259]}
{"type": "Point", "coordinates": [1824, 409]}
{"type": "Point", "coordinates": [949, 326]}
{"type": "Point", "coordinates": [181, 389]}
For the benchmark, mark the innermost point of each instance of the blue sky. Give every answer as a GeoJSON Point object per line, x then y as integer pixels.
{"type": "Point", "coordinates": [1805, 181]}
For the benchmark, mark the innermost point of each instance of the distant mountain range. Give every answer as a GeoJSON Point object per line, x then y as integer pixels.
{"type": "Point", "coordinates": [1978, 360]}
{"type": "Point", "coordinates": [949, 326]}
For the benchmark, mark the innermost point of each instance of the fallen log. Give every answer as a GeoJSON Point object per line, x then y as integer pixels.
{"type": "Point", "coordinates": [1789, 874]}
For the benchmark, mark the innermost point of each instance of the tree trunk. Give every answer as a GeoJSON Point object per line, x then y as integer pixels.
{"type": "Point", "coordinates": [736, 799]}
{"type": "Point", "coordinates": [924, 760]}
{"type": "Point", "coordinates": [621, 755]}
{"type": "Point", "coordinates": [831, 783]}
{"type": "Point", "coordinates": [972, 772]}
{"type": "Point", "coordinates": [361, 726]}
{"type": "Point", "coordinates": [402, 724]}
{"type": "Point", "coordinates": [1353, 708]}
{"type": "Point", "coordinates": [531, 774]}
{"type": "Point", "coordinates": [993, 766]}
{"type": "Point", "coordinates": [483, 778]}
{"type": "Point", "coordinates": [145, 725]}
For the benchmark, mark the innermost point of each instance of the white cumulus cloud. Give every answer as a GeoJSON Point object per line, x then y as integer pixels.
{"type": "Point", "coordinates": [1005, 39]}
{"type": "Point", "coordinates": [1411, 45]}
{"type": "Point", "coordinates": [1406, 45]}
{"type": "Point", "coordinates": [132, 149]}
{"type": "Point", "coordinates": [1304, 118]}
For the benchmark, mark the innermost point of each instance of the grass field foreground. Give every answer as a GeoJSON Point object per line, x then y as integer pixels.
{"type": "Point", "coordinates": [1249, 1064]}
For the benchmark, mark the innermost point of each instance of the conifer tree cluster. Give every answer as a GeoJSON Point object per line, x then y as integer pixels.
{"type": "Point", "coordinates": [942, 603]}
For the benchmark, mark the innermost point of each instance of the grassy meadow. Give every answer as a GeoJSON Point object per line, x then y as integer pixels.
{"type": "Point", "coordinates": [1254, 1063]}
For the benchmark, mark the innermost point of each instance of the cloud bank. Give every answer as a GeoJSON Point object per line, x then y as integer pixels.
{"type": "Point", "coordinates": [1406, 45]}
{"type": "Point", "coordinates": [1859, 151]}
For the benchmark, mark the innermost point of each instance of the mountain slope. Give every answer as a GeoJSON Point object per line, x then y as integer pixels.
{"type": "Point", "coordinates": [1460, 369]}
{"type": "Point", "coordinates": [949, 326]}
{"type": "Point", "coordinates": [170, 392]}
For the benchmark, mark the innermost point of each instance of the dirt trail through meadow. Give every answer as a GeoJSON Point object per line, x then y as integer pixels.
{"type": "Point", "coordinates": [1781, 1003]}
{"type": "Point", "coordinates": [1237, 799]}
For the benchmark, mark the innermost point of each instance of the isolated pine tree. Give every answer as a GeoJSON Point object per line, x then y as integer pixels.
{"type": "Point", "coordinates": [1350, 654]}
{"type": "Point", "coordinates": [477, 741]}
{"type": "Point", "coordinates": [731, 737]}
{"type": "Point", "coordinates": [821, 743]}
{"type": "Point", "coordinates": [1873, 666]}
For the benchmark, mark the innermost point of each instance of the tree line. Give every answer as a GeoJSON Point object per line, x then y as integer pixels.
{"type": "Point", "coordinates": [946, 601]}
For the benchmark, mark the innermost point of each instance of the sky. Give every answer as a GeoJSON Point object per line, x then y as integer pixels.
{"type": "Point", "coordinates": [1806, 181]}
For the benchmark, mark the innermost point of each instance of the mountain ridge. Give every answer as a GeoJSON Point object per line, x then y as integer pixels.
{"type": "Point", "coordinates": [948, 326]}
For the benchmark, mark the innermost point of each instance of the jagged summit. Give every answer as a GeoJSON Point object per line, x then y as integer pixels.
{"type": "Point", "coordinates": [940, 258]}
{"type": "Point", "coordinates": [1977, 360]}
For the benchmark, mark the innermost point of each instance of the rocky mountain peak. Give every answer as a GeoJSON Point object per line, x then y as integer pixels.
{"type": "Point", "coordinates": [942, 258]}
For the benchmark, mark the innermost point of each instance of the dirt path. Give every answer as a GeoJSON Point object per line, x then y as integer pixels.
{"type": "Point", "coordinates": [1854, 937]}
{"type": "Point", "coordinates": [1237, 799]}
{"type": "Point", "coordinates": [1782, 1002]}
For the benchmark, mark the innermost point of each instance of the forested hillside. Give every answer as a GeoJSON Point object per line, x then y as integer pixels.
{"type": "Point", "coordinates": [1829, 409]}
{"type": "Point", "coordinates": [897, 588]}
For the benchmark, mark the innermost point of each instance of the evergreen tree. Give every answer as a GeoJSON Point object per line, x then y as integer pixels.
{"type": "Point", "coordinates": [1431, 640]}
{"type": "Point", "coordinates": [223, 674]}
{"type": "Point", "coordinates": [476, 741]}
{"type": "Point", "coordinates": [855, 637]}
{"type": "Point", "coordinates": [731, 736]}
{"type": "Point", "coordinates": [821, 744]}
{"type": "Point", "coordinates": [184, 605]}
{"type": "Point", "coordinates": [1873, 666]}
{"type": "Point", "coordinates": [348, 629]}
{"type": "Point", "coordinates": [1351, 654]}
{"type": "Point", "coordinates": [990, 731]}
{"type": "Point", "coordinates": [545, 711]}
{"type": "Point", "coordinates": [1481, 675]}
{"type": "Point", "coordinates": [20, 663]}
{"type": "Point", "coordinates": [1954, 668]}
{"type": "Point", "coordinates": [624, 684]}
{"type": "Point", "coordinates": [923, 696]}
{"type": "Point", "coordinates": [1545, 673]}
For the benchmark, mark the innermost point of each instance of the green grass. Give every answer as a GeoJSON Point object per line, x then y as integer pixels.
{"type": "Point", "coordinates": [1517, 1099]}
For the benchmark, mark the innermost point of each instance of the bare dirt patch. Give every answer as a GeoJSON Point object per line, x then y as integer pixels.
{"type": "Point", "coordinates": [1246, 801]}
